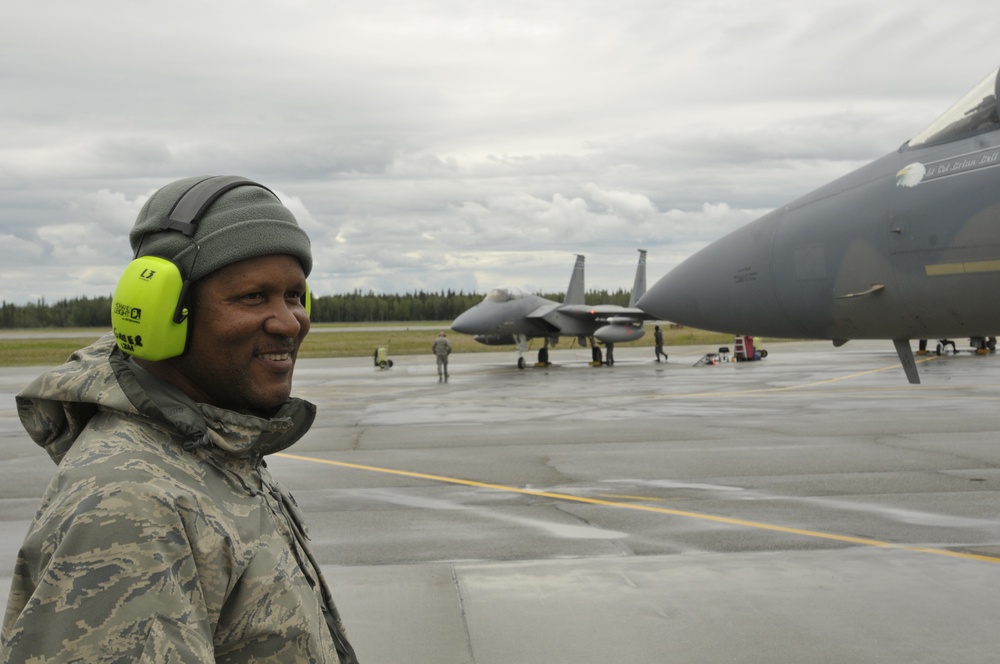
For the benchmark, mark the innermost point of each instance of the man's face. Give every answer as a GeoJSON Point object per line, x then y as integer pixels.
{"type": "Point", "coordinates": [247, 322]}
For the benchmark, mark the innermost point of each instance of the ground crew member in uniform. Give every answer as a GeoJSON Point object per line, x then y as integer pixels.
{"type": "Point", "coordinates": [163, 537]}
{"type": "Point", "coordinates": [658, 339]}
{"type": "Point", "coordinates": [442, 349]}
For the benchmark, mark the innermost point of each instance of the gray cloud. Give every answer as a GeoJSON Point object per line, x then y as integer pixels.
{"type": "Point", "coordinates": [431, 145]}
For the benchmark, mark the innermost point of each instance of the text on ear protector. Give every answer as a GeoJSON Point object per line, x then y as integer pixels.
{"type": "Point", "coordinates": [126, 311]}
{"type": "Point", "coordinates": [127, 342]}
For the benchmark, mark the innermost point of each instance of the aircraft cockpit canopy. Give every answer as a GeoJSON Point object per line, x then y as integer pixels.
{"type": "Point", "coordinates": [974, 114]}
{"type": "Point", "coordinates": [504, 295]}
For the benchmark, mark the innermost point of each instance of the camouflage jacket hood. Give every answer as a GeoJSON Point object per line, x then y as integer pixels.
{"type": "Point", "coordinates": [57, 405]}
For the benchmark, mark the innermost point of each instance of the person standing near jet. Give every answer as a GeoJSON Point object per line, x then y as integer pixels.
{"type": "Point", "coordinates": [658, 339]}
{"type": "Point", "coordinates": [442, 349]}
{"type": "Point", "coordinates": [163, 536]}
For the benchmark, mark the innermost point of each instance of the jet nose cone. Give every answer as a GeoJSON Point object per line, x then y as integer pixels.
{"type": "Point", "coordinates": [464, 323]}
{"type": "Point", "coordinates": [725, 287]}
{"type": "Point", "coordinates": [676, 297]}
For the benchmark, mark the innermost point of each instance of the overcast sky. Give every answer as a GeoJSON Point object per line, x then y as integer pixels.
{"type": "Point", "coordinates": [456, 144]}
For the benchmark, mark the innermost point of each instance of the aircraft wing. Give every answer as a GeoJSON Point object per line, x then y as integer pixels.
{"type": "Point", "coordinates": [603, 312]}
{"type": "Point", "coordinates": [542, 311]}
{"type": "Point", "coordinates": [609, 323]}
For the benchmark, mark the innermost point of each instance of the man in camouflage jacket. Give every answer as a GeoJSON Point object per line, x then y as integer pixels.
{"type": "Point", "coordinates": [163, 537]}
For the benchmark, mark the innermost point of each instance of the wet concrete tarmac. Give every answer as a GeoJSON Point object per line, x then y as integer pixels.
{"type": "Point", "coordinates": [812, 507]}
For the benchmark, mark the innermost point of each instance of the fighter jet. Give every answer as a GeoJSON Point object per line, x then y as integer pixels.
{"type": "Point", "coordinates": [907, 247]}
{"type": "Point", "coordinates": [511, 316]}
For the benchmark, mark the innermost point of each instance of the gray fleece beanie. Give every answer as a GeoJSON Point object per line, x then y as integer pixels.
{"type": "Point", "coordinates": [244, 222]}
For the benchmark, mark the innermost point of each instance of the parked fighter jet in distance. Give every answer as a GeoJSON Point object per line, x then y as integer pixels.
{"type": "Point", "coordinates": [907, 247]}
{"type": "Point", "coordinates": [510, 316]}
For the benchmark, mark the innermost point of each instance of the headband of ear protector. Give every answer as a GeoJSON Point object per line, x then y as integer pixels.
{"type": "Point", "coordinates": [149, 309]}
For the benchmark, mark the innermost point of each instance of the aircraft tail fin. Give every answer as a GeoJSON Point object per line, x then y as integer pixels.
{"type": "Point", "coordinates": [639, 286]}
{"type": "Point", "coordinates": [575, 290]}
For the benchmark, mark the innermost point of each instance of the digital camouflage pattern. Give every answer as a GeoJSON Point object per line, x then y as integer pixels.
{"type": "Point", "coordinates": [162, 537]}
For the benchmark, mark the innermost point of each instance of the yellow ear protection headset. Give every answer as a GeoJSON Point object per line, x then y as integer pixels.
{"type": "Point", "coordinates": [149, 309]}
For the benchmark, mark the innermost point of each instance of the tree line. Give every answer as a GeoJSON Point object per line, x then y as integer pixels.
{"type": "Point", "coordinates": [354, 307]}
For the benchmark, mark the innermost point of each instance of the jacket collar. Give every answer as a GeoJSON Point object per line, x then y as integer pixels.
{"type": "Point", "coordinates": [57, 405]}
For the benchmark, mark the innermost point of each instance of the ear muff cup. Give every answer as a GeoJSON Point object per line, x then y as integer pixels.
{"type": "Point", "coordinates": [147, 312]}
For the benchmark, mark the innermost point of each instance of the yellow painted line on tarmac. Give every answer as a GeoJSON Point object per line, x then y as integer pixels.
{"type": "Point", "coordinates": [849, 539]}
{"type": "Point", "coordinates": [648, 499]}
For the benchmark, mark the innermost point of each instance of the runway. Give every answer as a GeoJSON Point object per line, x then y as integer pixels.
{"type": "Point", "coordinates": [812, 507]}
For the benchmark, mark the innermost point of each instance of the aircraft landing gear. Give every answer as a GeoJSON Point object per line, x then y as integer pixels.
{"type": "Point", "coordinates": [984, 345]}
{"type": "Point", "coordinates": [522, 348]}
{"type": "Point", "coordinates": [943, 346]}
{"type": "Point", "coordinates": [543, 357]}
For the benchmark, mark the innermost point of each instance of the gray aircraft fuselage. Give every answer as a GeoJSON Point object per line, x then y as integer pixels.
{"type": "Point", "coordinates": [907, 247]}
{"type": "Point", "coordinates": [510, 316]}
{"type": "Point", "coordinates": [497, 320]}
{"type": "Point", "coordinates": [504, 314]}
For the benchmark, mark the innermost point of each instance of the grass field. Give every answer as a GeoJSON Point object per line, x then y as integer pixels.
{"type": "Point", "coordinates": [357, 340]}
